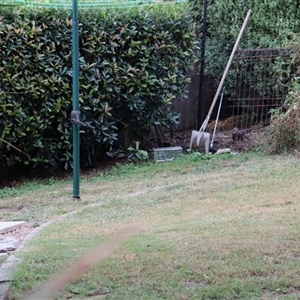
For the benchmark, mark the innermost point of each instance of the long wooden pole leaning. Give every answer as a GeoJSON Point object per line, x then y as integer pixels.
{"type": "Point", "coordinates": [225, 72]}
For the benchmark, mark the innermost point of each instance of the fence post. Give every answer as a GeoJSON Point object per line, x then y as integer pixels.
{"type": "Point", "coordinates": [202, 66]}
{"type": "Point", "coordinates": [76, 135]}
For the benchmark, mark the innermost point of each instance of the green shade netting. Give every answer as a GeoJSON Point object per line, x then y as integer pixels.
{"type": "Point", "coordinates": [86, 3]}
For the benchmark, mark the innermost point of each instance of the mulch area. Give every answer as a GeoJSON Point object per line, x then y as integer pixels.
{"type": "Point", "coordinates": [223, 138]}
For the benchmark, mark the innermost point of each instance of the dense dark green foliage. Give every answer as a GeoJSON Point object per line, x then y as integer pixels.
{"type": "Point", "coordinates": [133, 63]}
{"type": "Point", "coordinates": [271, 24]}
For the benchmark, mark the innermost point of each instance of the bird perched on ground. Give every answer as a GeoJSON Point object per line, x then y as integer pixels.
{"type": "Point", "coordinates": [238, 134]}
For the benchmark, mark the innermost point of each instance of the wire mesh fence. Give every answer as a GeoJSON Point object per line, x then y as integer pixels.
{"type": "Point", "coordinates": [257, 82]}
{"type": "Point", "coordinates": [260, 80]}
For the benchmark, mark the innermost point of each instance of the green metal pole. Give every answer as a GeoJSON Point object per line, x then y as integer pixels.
{"type": "Point", "coordinates": [76, 138]}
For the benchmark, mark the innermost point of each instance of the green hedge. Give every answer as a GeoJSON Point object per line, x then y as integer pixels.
{"type": "Point", "coordinates": [133, 63]}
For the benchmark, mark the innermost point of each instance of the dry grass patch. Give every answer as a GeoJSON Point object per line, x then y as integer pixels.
{"type": "Point", "coordinates": [220, 229]}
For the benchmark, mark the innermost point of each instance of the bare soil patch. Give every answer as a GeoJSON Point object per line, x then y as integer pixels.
{"type": "Point", "coordinates": [223, 138]}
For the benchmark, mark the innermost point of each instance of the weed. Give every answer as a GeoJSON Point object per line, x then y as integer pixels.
{"type": "Point", "coordinates": [283, 134]}
{"type": "Point", "coordinates": [8, 192]}
{"type": "Point", "coordinates": [137, 154]}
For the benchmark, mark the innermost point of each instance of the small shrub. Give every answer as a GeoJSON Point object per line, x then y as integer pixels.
{"type": "Point", "coordinates": [283, 134]}
{"type": "Point", "coordinates": [137, 154]}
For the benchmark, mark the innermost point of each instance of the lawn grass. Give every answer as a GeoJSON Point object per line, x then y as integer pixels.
{"type": "Point", "coordinates": [219, 227]}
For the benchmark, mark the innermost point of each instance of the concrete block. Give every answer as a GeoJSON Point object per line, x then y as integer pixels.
{"type": "Point", "coordinates": [166, 153]}
{"type": "Point", "coordinates": [10, 226]}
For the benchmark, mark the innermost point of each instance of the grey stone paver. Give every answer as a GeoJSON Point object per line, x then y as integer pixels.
{"type": "Point", "coordinates": [12, 261]}
{"type": "Point", "coordinates": [10, 226]}
{"type": "Point", "coordinates": [4, 286]}
{"type": "Point", "coordinates": [8, 244]}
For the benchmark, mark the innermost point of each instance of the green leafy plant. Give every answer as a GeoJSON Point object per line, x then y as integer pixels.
{"type": "Point", "coordinates": [283, 135]}
{"type": "Point", "coordinates": [115, 152]}
{"type": "Point", "coordinates": [137, 154]}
